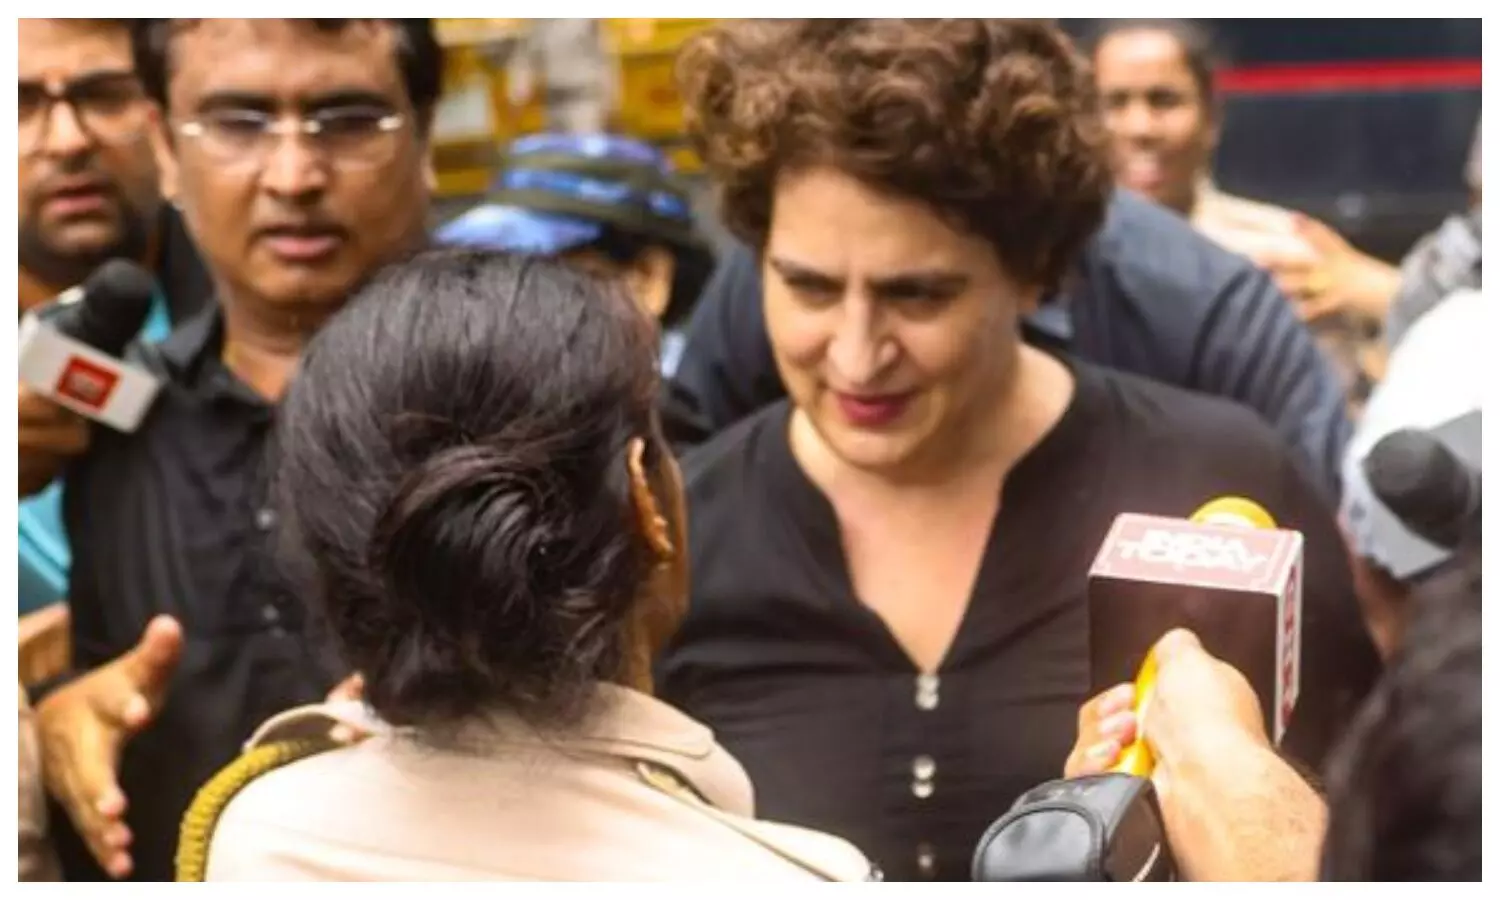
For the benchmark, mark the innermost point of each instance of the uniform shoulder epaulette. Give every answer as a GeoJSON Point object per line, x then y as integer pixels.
{"type": "Point", "coordinates": [285, 739]}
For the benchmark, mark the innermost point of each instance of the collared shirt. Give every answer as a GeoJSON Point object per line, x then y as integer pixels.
{"type": "Point", "coordinates": [637, 792]}
{"type": "Point", "coordinates": [1149, 296]}
{"type": "Point", "coordinates": [45, 557]}
{"type": "Point", "coordinates": [174, 519]}
{"type": "Point", "coordinates": [837, 727]}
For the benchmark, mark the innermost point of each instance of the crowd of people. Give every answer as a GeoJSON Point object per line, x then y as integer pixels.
{"type": "Point", "coordinates": [558, 542]}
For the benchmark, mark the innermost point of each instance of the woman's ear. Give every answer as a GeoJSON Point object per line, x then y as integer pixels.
{"type": "Point", "coordinates": [661, 600]}
{"type": "Point", "coordinates": [653, 525]}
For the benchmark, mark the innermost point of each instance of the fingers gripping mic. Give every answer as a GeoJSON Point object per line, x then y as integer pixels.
{"type": "Point", "coordinates": [1434, 493]}
{"type": "Point", "coordinates": [71, 348]}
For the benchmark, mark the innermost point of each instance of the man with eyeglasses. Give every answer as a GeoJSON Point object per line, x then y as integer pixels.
{"type": "Point", "coordinates": [298, 154]}
{"type": "Point", "coordinates": [87, 193]}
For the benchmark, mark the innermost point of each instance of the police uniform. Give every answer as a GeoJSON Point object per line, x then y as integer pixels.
{"type": "Point", "coordinates": [640, 792]}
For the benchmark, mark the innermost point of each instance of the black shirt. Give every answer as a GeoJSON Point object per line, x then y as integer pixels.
{"type": "Point", "coordinates": [809, 690]}
{"type": "Point", "coordinates": [179, 269]}
{"type": "Point", "coordinates": [1149, 295]}
{"type": "Point", "coordinates": [173, 519]}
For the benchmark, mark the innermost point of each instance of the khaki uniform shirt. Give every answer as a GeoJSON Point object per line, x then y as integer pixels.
{"type": "Point", "coordinates": [640, 792]}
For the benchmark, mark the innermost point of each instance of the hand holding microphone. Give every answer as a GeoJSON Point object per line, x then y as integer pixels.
{"type": "Point", "coordinates": [1231, 808]}
{"type": "Point", "coordinates": [1227, 570]}
{"type": "Point", "coordinates": [70, 369]}
{"type": "Point", "coordinates": [47, 436]}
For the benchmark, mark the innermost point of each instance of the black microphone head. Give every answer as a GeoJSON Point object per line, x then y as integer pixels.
{"type": "Point", "coordinates": [1434, 493]}
{"type": "Point", "coordinates": [113, 307]}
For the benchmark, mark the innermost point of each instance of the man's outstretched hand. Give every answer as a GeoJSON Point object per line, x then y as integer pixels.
{"type": "Point", "coordinates": [85, 725]}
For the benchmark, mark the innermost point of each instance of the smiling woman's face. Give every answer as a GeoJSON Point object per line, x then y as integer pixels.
{"type": "Point", "coordinates": [891, 329]}
{"type": "Point", "coordinates": [1162, 133]}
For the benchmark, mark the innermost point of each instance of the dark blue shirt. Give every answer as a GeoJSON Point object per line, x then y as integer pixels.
{"type": "Point", "coordinates": [1149, 296]}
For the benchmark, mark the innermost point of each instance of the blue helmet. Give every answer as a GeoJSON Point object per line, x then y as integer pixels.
{"type": "Point", "coordinates": [559, 192]}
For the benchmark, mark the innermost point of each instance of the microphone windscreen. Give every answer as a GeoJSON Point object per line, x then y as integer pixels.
{"type": "Point", "coordinates": [1425, 485]}
{"type": "Point", "coordinates": [113, 309]}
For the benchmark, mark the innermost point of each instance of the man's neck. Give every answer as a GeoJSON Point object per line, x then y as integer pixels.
{"type": "Point", "coordinates": [262, 347]}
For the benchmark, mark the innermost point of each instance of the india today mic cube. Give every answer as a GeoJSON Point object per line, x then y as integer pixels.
{"type": "Point", "coordinates": [1239, 589]}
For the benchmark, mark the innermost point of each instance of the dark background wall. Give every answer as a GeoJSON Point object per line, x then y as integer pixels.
{"type": "Point", "coordinates": [1365, 123]}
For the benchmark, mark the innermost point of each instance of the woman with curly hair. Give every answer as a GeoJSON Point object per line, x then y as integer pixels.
{"type": "Point", "coordinates": [888, 623]}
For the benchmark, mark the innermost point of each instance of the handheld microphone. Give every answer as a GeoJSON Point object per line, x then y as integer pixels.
{"type": "Point", "coordinates": [70, 348]}
{"type": "Point", "coordinates": [1406, 502]}
{"type": "Point", "coordinates": [1228, 574]}
{"type": "Point", "coordinates": [1425, 485]}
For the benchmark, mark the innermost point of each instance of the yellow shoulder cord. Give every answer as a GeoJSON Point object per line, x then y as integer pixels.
{"type": "Point", "coordinates": [203, 813]}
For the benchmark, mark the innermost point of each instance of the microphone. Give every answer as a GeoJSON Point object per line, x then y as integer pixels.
{"type": "Point", "coordinates": [70, 348]}
{"type": "Point", "coordinates": [1425, 485]}
{"type": "Point", "coordinates": [1228, 574]}
{"type": "Point", "coordinates": [1404, 511]}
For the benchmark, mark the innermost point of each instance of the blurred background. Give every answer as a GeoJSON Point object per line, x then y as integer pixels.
{"type": "Point", "coordinates": [1365, 124]}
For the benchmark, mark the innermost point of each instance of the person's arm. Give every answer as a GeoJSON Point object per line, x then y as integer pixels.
{"type": "Point", "coordinates": [1234, 810]}
{"type": "Point", "coordinates": [1252, 348]}
{"type": "Point", "coordinates": [726, 370]}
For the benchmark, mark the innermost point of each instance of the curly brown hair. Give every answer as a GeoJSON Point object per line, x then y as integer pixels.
{"type": "Point", "coordinates": [992, 122]}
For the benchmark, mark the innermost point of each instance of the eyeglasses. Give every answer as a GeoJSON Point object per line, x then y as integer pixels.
{"type": "Point", "coordinates": [347, 137]}
{"type": "Point", "coordinates": [107, 107]}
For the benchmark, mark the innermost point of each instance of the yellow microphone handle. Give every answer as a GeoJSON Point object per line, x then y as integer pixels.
{"type": "Point", "coordinates": [1136, 759]}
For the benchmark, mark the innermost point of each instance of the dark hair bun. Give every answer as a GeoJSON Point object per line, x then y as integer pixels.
{"type": "Point", "coordinates": [452, 474]}
{"type": "Point", "coordinates": [468, 515]}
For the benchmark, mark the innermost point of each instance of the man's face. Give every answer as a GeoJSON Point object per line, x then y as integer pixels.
{"type": "Point", "coordinates": [294, 221]}
{"type": "Point", "coordinates": [88, 183]}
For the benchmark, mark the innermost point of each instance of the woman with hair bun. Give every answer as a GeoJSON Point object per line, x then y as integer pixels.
{"type": "Point", "coordinates": [889, 624]}
{"type": "Point", "coordinates": [477, 502]}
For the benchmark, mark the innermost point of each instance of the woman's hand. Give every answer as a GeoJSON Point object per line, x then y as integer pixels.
{"type": "Point", "coordinates": [1333, 278]}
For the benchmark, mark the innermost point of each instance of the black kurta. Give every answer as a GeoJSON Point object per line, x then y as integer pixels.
{"type": "Point", "coordinates": [837, 728]}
